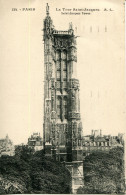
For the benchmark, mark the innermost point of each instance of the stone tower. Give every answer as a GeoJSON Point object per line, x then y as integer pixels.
{"type": "Point", "coordinates": [62, 126]}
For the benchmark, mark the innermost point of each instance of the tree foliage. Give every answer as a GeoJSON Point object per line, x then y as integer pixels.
{"type": "Point", "coordinates": [104, 172]}
{"type": "Point", "coordinates": [29, 172]}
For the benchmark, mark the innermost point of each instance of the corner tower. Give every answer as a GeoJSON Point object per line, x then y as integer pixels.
{"type": "Point", "coordinates": [62, 126]}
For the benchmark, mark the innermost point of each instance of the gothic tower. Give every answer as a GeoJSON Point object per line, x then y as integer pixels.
{"type": "Point", "coordinates": [62, 126]}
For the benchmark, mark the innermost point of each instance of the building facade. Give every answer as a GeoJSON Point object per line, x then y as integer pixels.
{"type": "Point", "coordinates": [35, 142]}
{"type": "Point", "coordinates": [98, 142]}
{"type": "Point", "coordinates": [6, 147]}
{"type": "Point", "coordinates": [62, 122]}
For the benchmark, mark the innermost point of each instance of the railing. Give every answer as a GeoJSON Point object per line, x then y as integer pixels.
{"type": "Point", "coordinates": [61, 32]}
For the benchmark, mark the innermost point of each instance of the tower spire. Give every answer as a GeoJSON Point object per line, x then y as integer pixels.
{"type": "Point", "coordinates": [47, 9]}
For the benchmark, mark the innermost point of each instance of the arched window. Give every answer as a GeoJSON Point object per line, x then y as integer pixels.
{"type": "Point", "coordinates": [65, 107]}
{"type": "Point", "coordinates": [64, 66]}
{"type": "Point", "coordinates": [58, 85]}
{"type": "Point", "coordinates": [58, 55]}
{"type": "Point", "coordinates": [64, 55]}
{"type": "Point", "coordinates": [58, 65]}
{"type": "Point", "coordinates": [58, 75]}
{"type": "Point", "coordinates": [59, 107]}
{"type": "Point", "coordinates": [64, 70]}
{"type": "Point", "coordinates": [58, 72]}
{"type": "Point", "coordinates": [64, 75]}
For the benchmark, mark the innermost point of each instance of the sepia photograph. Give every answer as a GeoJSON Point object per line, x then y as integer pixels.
{"type": "Point", "coordinates": [63, 99]}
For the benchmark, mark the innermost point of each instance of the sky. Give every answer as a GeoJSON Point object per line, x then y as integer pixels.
{"type": "Point", "coordinates": [100, 64]}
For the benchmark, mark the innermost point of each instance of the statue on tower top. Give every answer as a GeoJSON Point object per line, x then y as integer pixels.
{"type": "Point", "coordinates": [47, 9]}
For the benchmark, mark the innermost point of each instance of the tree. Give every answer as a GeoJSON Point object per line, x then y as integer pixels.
{"type": "Point", "coordinates": [29, 172]}
{"type": "Point", "coordinates": [24, 152]}
{"type": "Point", "coordinates": [104, 172]}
